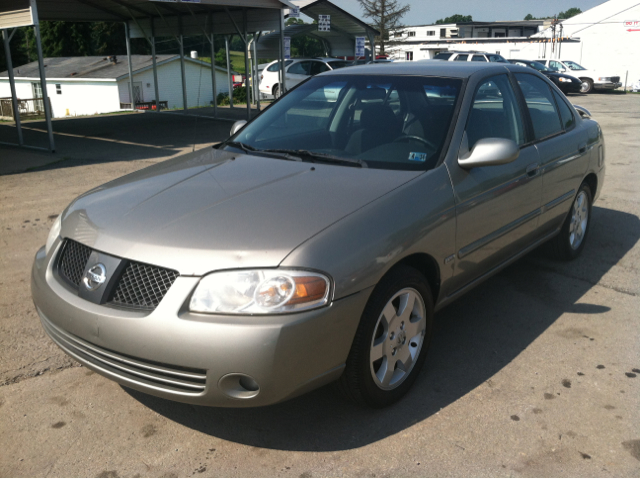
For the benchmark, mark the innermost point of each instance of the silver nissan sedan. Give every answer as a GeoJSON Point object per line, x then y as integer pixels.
{"type": "Point", "coordinates": [316, 243]}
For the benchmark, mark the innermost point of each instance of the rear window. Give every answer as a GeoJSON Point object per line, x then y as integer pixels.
{"type": "Point", "coordinates": [442, 56]}
{"type": "Point", "coordinates": [336, 65]}
{"type": "Point", "coordinates": [478, 58]}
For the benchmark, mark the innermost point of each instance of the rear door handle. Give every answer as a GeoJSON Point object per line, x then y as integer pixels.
{"type": "Point", "coordinates": [532, 169]}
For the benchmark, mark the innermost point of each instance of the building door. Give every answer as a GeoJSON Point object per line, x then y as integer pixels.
{"type": "Point", "coordinates": [409, 56]}
{"type": "Point", "coordinates": [137, 92]}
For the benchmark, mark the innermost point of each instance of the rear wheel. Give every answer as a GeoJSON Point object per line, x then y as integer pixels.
{"type": "Point", "coordinates": [392, 340]}
{"type": "Point", "coordinates": [572, 237]}
{"type": "Point", "coordinates": [587, 85]}
{"type": "Point", "coordinates": [276, 92]}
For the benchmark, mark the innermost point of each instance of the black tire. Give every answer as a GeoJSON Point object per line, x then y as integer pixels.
{"type": "Point", "coordinates": [587, 85]}
{"type": "Point", "coordinates": [276, 92]}
{"type": "Point", "coordinates": [561, 246]}
{"type": "Point", "coordinates": [357, 382]}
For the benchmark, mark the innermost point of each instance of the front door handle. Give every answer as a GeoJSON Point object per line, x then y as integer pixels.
{"type": "Point", "coordinates": [532, 169]}
{"type": "Point", "coordinates": [582, 148]}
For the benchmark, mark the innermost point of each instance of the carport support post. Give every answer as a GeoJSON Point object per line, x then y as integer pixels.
{"type": "Point", "coordinates": [128, 41]}
{"type": "Point", "coordinates": [12, 84]}
{"type": "Point", "coordinates": [155, 65]}
{"type": "Point", "coordinates": [247, 70]}
{"type": "Point", "coordinates": [372, 44]}
{"type": "Point", "coordinates": [283, 80]}
{"type": "Point", "coordinates": [226, 46]}
{"type": "Point", "coordinates": [43, 77]}
{"type": "Point", "coordinates": [256, 80]}
{"type": "Point", "coordinates": [214, 88]}
{"type": "Point", "coordinates": [182, 69]}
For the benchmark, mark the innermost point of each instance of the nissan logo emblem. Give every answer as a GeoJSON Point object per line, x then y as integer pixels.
{"type": "Point", "coordinates": [94, 277]}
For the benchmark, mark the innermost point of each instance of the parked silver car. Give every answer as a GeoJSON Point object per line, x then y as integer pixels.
{"type": "Point", "coordinates": [316, 243]}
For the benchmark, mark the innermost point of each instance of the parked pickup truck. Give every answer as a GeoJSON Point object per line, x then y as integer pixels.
{"type": "Point", "coordinates": [591, 79]}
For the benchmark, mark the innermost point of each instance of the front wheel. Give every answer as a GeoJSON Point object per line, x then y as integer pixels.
{"type": "Point", "coordinates": [572, 237]}
{"type": "Point", "coordinates": [276, 92]}
{"type": "Point", "coordinates": [587, 85]}
{"type": "Point", "coordinates": [392, 340]}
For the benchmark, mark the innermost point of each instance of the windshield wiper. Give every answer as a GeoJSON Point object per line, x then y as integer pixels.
{"type": "Point", "coordinates": [271, 153]}
{"type": "Point", "coordinates": [322, 157]}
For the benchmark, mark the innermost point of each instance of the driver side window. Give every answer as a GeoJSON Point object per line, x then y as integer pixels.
{"type": "Point", "coordinates": [495, 113]}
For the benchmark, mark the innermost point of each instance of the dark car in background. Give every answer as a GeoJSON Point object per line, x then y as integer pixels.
{"type": "Point", "coordinates": [566, 83]}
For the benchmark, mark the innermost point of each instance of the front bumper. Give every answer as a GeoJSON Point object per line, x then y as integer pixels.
{"type": "Point", "coordinates": [182, 356]}
{"type": "Point", "coordinates": [607, 86]}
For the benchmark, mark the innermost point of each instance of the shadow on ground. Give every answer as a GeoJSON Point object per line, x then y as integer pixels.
{"type": "Point", "coordinates": [474, 339]}
{"type": "Point", "coordinates": [105, 139]}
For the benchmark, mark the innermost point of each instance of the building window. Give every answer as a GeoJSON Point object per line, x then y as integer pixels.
{"type": "Point", "coordinates": [37, 89]}
{"type": "Point", "coordinates": [409, 56]}
{"type": "Point", "coordinates": [443, 33]}
{"type": "Point", "coordinates": [412, 34]}
{"type": "Point", "coordinates": [431, 33]}
{"type": "Point", "coordinates": [58, 89]}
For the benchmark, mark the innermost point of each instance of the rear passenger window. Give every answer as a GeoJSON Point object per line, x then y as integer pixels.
{"type": "Point", "coordinates": [542, 109]}
{"type": "Point", "coordinates": [568, 120]}
{"type": "Point", "coordinates": [495, 113]}
{"type": "Point", "coordinates": [301, 68]}
{"type": "Point", "coordinates": [319, 67]}
{"type": "Point", "coordinates": [461, 58]}
{"type": "Point", "coordinates": [478, 58]}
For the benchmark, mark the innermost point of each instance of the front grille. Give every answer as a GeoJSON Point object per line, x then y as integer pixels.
{"type": "Point", "coordinates": [73, 260]}
{"type": "Point", "coordinates": [158, 376]}
{"type": "Point", "coordinates": [615, 79]}
{"type": "Point", "coordinates": [143, 286]}
{"type": "Point", "coordinates": [140, 286]}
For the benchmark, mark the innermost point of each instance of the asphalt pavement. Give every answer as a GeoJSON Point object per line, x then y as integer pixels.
{"type": "Point", "coordinates": [534, 373]}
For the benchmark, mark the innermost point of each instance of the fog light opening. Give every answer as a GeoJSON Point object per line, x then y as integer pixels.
{"type": "Point", "coordinates": [239, 386]}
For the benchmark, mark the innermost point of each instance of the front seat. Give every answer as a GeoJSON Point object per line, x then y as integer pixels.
{"type": "Point", "coordinates": [379, 126]}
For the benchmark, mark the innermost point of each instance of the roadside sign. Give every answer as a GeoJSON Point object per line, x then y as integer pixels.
{"type": "Point", "coordinates": [324, 23]}
{"type": "Point", "coordinates": [294, 12]}
{"type": "Point", "coordinates": [359, 47]}
{"type": "Point", "coordinates": [287, 48]}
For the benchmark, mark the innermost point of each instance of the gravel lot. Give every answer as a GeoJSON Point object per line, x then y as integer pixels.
{"type": "Point", "coordinates": [534, 373]}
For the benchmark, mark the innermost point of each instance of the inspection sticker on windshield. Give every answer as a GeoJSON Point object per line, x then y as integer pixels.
{"type": "Point", "coordinates": [417, 156]}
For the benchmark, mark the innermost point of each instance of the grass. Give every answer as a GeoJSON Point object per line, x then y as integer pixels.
{"type": "Point", "coordinates": [237, 60]}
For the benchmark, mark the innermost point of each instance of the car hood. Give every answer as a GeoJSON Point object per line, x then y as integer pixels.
{"type": "Point", "coordinates": [213, 209]}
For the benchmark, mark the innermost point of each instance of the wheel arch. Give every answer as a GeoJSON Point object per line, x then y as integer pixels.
{"type": "Point", "coordinates": [592, 180]}
{"type": "Point", "coordinates": [428, 267]}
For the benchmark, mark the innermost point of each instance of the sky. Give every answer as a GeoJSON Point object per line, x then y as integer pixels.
{"type": "Point", "coordinates": [424, 12]}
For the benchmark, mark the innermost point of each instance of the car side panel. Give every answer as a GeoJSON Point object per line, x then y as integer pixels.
{"type": "Point", "coordinates": [563, 160]}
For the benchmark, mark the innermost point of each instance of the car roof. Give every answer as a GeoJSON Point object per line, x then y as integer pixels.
{"type": "Point", "coordinates": [430, 68]}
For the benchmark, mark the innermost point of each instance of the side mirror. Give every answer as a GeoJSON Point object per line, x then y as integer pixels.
{"type": "Point", "coordinates": [490, 152]}
{"type": "Point", "coordinates": [237, 126]}
{"type": "Point", "coordinates": [584, 113]}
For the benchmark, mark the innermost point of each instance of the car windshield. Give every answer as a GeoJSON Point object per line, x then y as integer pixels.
{"type": "Point", "coordinates": [573, 65]}
{"type": "Point", "coordinates": [375, 121]}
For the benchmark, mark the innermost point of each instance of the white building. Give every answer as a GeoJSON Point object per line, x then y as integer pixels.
{"type": "Point", "coordinates": [92, 85]}
{"type": "Point", "coordinates": [420, 42]}
{"type": "Point", "coordinates": [605, 38]}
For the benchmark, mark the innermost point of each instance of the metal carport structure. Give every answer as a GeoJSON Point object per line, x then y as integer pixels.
{"type": "Point", "coordinates": [143, 19]}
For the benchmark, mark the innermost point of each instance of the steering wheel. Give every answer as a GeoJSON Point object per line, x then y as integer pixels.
{"type": "Point", "coordinates": [416, 138]}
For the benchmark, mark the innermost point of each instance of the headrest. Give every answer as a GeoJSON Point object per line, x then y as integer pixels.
{"type": "Point", "coordinates": [377, 117]}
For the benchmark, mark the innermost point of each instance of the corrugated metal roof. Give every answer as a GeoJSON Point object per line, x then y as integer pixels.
{"type": "Point", "coordinates": [92, 67]}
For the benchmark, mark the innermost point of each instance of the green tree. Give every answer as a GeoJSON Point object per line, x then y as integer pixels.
{"type": "Point", "coordinates": [457, 18]}
{"type": "Point", "coordinates": [385, 16]}
{"type": "Point", "coordinates": [572, 12]}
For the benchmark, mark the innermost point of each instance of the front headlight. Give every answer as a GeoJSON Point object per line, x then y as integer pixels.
{"type": "Point", "coordinates": [262, 291]}
{"type": "Point", "coordinates": [562, 79]}
{"type": "Point", "coordinates": [53, 234]}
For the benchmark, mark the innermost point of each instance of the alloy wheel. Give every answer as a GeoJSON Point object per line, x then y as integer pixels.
{"type": "Point", "coordinates": [398, 338]}
{"type": "Point", "coordinates": [579, 220]}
